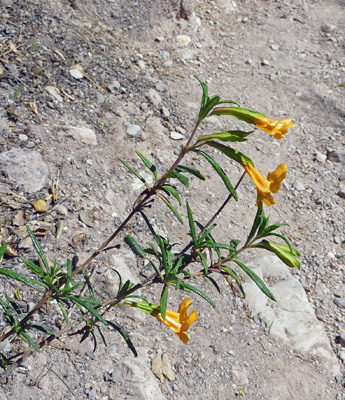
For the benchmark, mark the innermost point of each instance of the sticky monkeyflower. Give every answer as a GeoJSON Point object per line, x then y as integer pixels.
{"type": "Point", "coordinates": [274, 127]}
{"type": "Point", "coordinates": [265, 187]}
{"type": "Point", "coordinates": [278, 129]}
{"type": "Point", "coordinates": [179, 322]}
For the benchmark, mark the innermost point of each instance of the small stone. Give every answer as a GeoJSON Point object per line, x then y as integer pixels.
{"type": "Point", "coordinates": [341, 339]}
{"type": "Point", "coordinates": [165, 54]}
{"type": "Point", "coordinates": [86, 135]}
{"type": "Point", "coordinates": [161, 87]}
{"type": "Point", "coordinates": [336, 239]}
{"type": "Point", "coordinates": [141, 64]}
{"type": "Point", "coordinates": [265, 62]}
{"type": "Point", "coordinates": [321, 158]}
{"type": "Point", "coordinates": [274, 47]}
{"type": "Point", "coordinates": [341, 192]}
{"type": "Point", "coordinates": [176, 136]}
{"type": "Point", "coordinates": [175, 387]}
{"type": "Point", "coordinates": [25, 168]}
{"type": "Point", "coordinates": [168, 63]}
{"type": "Point", "coordinates": [30, 145]}
{"type": "Point", "coordinates": [160, 39]}
{"type": "Point", "coordinates": [76, 73]}
{"type": "Point", "coordinates": [53, 91]}
{"type": "Point", "coordinates": [61, 209]}
{"type": "Point", "coordinates": [342, 356]}
{"type": "Point", "coordinates": [23, 138]}
{"type": "Point", "coordinates": [133, 130]}
{"type": "Point", "coordinates": [183, 40]}
{"type": "Point", "coordinates": [249, 61]}
{"type": "Point", "coordinates": [340, 302]}
{"type": "Point", "coordinates": [165, 112]}
{"type": "Point", "coordinates": [144, 106]}
{"type": "Point", "coordinates": [299, 186]}
{"type": "Point", "coordinates": [328, 28]}
{"type": "Point", "coordinates": [154, 97]}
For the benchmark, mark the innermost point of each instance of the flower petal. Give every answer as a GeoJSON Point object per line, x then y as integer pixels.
{"type": "Point", "coordinates": [276, 178]}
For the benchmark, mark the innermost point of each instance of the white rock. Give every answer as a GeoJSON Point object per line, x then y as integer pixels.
{"type": "Point", "coordinates": [293, 317]}
{"type": "Point", "coordinates": [85, 135]}
{"type": "Point", "coordinates": [299, 186]}
{"type": "Point", "coordinates": [321, 158]}
{"type": "Point", "coordinates": [154, 97]}
{"type": "Point", "coordinates": [133, 130]}
{"type": "Point", "coordinates": [141, 64]}
{"type": "Point", "coordinates": [25, 168]}
{"type": "Point", "coordinates": [53, 91]}
{"type": "Point", "coordinates": [176, 136]}
{"type": "Point", "coordinates": [137, 184]}
{"type": "Point", "coordinates": [183, 40]}
{"type": "Point", "coordinates": [76, 73]}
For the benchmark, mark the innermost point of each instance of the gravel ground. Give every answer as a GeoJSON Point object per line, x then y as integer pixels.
{"type": "Point", "coordinates": [123, 72]}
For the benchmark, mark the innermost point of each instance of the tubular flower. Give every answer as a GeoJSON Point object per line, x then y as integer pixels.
{"type": "Point", "coordinates": [265, 187]}
{"type": "Point", "coordinates": [179, 322]}
{"type": "Point", "coordinates": [275, 128]}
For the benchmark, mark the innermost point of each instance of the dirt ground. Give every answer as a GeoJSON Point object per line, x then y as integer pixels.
{"type": "Point", "coordinates": [284, 59]}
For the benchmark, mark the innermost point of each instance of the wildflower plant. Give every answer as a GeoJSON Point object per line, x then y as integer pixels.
{"type": "Point", "coordinates": [173, 267]}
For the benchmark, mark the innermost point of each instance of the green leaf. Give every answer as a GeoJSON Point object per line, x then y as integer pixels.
{"type": "Point", "coordinates": [219, 171]}
{"type": "Point", "coordinates": [233, 274]}
{"type": "Point", "coordinates": [3, 250]}
{"type": "Point", "coordinates": [124, 334]}
{"type": "Point", "coordinates": [226, 136]}
{"type": "Point", "coordinates": [190, 170]}
{"type": "Point", "coordinates": [36, 269]}
{"type": "Point", "coordinates": [135, 173]}
{"type": "Point", "coordinates": [15, 306]}
{"type": "Point", "coordinates": [38, 248]}
{"type": "Point", "coordinates": [134, 245]}
{"type": "Point", "coordinates": [231, 153]}
{"type": "Point", "coordinates": [183, 179]}
{"type": "Point", "coordinates": [42, 329]}
{"type": "Point", "coordinates": [85, 304]}
{"type": "Point", "coordinates": [25, 336]}
{"type": "Point", "coordinates": [164, 301]}
{"type": "Point", "coordinates": [88, 282]}
{"type": "Point", "coordinates": [191, 288]}
{"type": "Point", "coordinates": [177, 265]}
{"type": "Point", "coordinates": [203, 261]}
{"type": "Point", "coordinates": [205, 235]}
{"type": "Point", "coordinates": [170, 190]}
{"type": "Point", "coordinates": [64, 312]}
{"type": "Point", "coordinates": [8, 314]}
{"type": "Point", "coordinates": [149, 164]}
{"type": "Point", "coordinates": [191, 223]}
{"type": "Point", "coordinates": [18, 277]}
{"type": "Point", "coordinates": [214, 283]}
{"type": "Point", "coordinates": [173, 209]}
{"type": "Point", "coordinates": [256, 279]}
{"type": "Point", "coordinates": [267, 231]}
{"type": "Point", "coordinates": [243, 114]}
{"type": "Point", "coordinates": [260, 215]}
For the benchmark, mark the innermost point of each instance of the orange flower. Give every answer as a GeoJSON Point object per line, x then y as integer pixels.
{"type": "Point", "coordinates": [275, 128]}
{"type": "Point", "coordinates": [179, 322]}
{"type": "Point", "coordinates": [265, 187]}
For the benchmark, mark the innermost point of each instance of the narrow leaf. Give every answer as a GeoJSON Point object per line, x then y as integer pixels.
{"type": "Point", "coordinates": [203, 261]}
{"type": "Point", "coordinates": [18, 277]}
{"type": "Point", "coordinates": [135, 173]}
{"type": "Point", "coordinates": [219, 171]}
{"type": "Point", "coordinates": [256, 279]}
{"type": "Point", "coordinates": [183, 179]}
{"type": "Point", "coordinates": [164, 301]}
{"type": "Point", "coordinates": [233, 274]}
{"type": "Point", "coordinates": [170, 190]}
{"type": "Point", "coordinates": [42, 329]}
{"type": "Point", "coordinates": [257, 221]}
{"type": "Point", "coordinates": [191, 223]}
{"type": "Point", "coordinates": [38, 248]}
{"type": "Point", "coordinates": [36, 269]}
{"type": "Point", "coordinates": [149, 164]}
{"type": "Point", "coordinates": [173, 209]}
{"type": "Point", "coordinates": [28, 339]}
{"type": "Point", "coordinates": [197, 291]}
{"type": "Point", "coordinates": [190, 170]}
{"type": "Point", "coordinates": [86, 305]}
{"type": "Point", "coordinates": [214, 283]}
{"type": "Point", "coordinates": [3, 250]}
{"type": "Point", "coordinates": [231, 153]}
{"type": "Point", "coordinates": [226, 136]}
{"type": "Point", "coordinates": [134, 245]}
{"type": "Point", "coordinates": [124, 334]}
{"type": "Point", "coordinates": [64, 312]}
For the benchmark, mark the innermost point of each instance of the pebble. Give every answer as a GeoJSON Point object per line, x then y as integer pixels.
{"type": "Point", "coordinates": [336, 156]}
{"type": "Point", "coordinates": [160, 39]}
{"type": "Point", "coordinates": [341, 192]}
{"type": "Point", "coordinates": [85, 135]}
{"type": "Point", "coordinates": [165, 54]}
{"type": "Point", "coordinates": [176, 136]}
{"type": "Point", "coordinates": [340, 302]}
{"type": "Point", "coordinates": [341, 339]}
{"type": "Point", "coordinates": [265, 62]}
{"type": "Point", "coordinates": [168, 63]}
{"type": "Point", "coordinates": [342, 356]}
{"type": "Point", "coordinates": [61, 209]}
{"type": "Point", "coordinates": [165, 112]}
{"type": "Point", "coordinates": [23, 138]}
{"type": "Point", "coordinates": [274, 47]}
{"type": "Point", "coordinates": [183, 40]}
{"type": "Point", "coordinates": [144, 106]}
{"type": "Point", "coordinates": [161, 87]}
{"type": "Point", "coordinates": [141, 64]}
{"type": "Point", "coordinates": [76, 73]}
{"type": "Point", "coordinates": [52, 90]}
{"type": "Point", "coordinates": [25, 168]}
{"type": "Point", "coordinates": [154, 97]}
{"type": "Point", "coordinates": [321, 158]}
{"type": "Point", "coordinates": [299, 186]}
{"type": "Point", "coordinates": [133, 130]}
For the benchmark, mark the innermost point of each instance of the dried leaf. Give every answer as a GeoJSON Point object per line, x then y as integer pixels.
{"type": "Point", "coordinates": [59, 228]}
{"type": "Point", "coordinates": [13, 47]}
{"type": "Point", "coordinates": [161, 367]}
{"type": "Point", "coordinates": [41, 206]}
{"type": "Point", "coordinates": [58, 52]}
{"type": "Point", "coordinates": [79, 237]}
{"type": "Point", "coordinates": [19, 218]}
{"type": "Point", "coordinates": [11, 251]}
{"type": "Point", "coordinates": [39, 231]}
{"type": "Point", "coordinates": [32, 107]}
